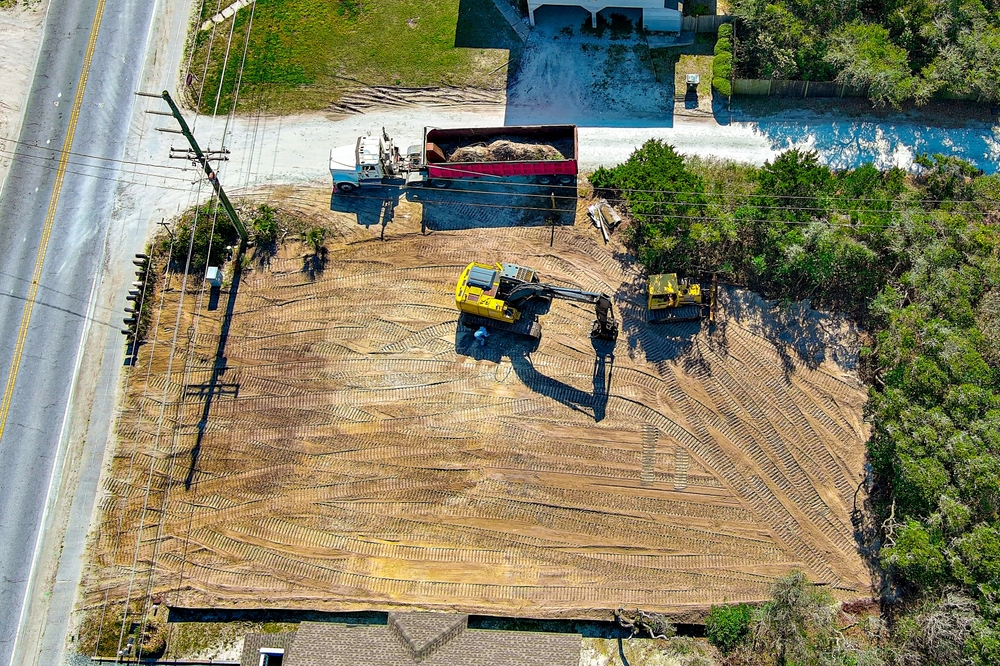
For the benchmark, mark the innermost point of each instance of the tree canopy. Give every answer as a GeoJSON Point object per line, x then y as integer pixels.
{"type": "Point", "coordinates": [915, 259]}
{"type": "Point", "coordinates": [897, 49]}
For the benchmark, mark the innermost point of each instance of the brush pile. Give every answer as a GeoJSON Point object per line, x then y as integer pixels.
{"type": "Point", "coordinates": [505, 150]}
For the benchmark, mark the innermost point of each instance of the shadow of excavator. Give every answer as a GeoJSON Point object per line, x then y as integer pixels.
{"type": "Point", "coordinates": [517, 349]}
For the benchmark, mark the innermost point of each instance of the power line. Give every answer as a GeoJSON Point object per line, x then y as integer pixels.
{"type": "Point", "coordinates": [121, 180]}
{"type": "Point", "coordinates": [654, 215]}
{"type": "Point", "coordinates": [87, 156]}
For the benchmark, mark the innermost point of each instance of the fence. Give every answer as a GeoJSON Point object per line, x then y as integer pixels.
{"type": "Point", "coordinates": [703, 23]}
{"type": "Point", "coordinates": [783, 88]}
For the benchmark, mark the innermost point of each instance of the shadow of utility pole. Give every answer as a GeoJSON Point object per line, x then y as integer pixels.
{"type": "Point", "coordinates": [215, 385]}
{"type": "Point", "coordinates": [621, 652]}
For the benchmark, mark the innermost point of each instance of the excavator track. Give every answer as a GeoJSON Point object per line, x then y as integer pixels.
{"type": "Point", "coordinates": [681, 315]}
{"type": "Point", "coordinates": [527, 325]}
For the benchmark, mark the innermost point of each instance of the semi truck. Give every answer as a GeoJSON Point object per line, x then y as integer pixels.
{"type": "Point", "coordinates": [543, 154]}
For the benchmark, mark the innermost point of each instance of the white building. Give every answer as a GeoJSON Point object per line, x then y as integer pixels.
{"type": "Point", "coordinates": [655, 13]}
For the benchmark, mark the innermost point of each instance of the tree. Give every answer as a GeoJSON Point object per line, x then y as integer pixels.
{"type": "Point", "coordinates": [798, 623]}
{"type": "Point", "coordinates": [727, 627]}
{"type": "Point", "coordinates": [867, 58]}
{"type": "Point", "coordinates": [664, 200]}
{"type": "Point", "coordinates": [917, 554]}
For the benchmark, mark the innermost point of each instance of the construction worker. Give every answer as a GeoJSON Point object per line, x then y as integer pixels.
{"type": "Point", "coordinates": [481, 335]}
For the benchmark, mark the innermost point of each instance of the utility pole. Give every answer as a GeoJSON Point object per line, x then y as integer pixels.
{"type": "Point", "coordinates": [204, 161]}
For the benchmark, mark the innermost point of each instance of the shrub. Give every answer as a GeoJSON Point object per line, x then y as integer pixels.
{"type": "Point", "coordinates": [728, 626]}
{"type": "Point", "coordinates": [722, 72]}
{"type": "Point", "coordinates": [722, 65]}
{"type": "Point", "coordinates": [264, 226]}
{"type": "Point", "coordinates": [315, 238]}
{"type": "Point", "coordinates": [723, 45]}
{"type": "Point", "coordinates": [154, 638]}
{"type": "Point", "coordinates": [213, 231]}
{"type": "Point", "coordinates": [726, 31]}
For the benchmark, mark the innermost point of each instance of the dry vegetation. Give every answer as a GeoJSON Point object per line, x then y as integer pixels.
{"type": "Point", "coordinates": [356, 450]}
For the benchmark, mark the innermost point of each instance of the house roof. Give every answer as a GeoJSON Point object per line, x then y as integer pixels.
{"type": "Point", "coordinates": [428, 639]}
{"type": "Point", "coordinates": [252, 643]}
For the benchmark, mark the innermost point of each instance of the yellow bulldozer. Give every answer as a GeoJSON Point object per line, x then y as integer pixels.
{"type": "Point", "coordinates": [673, 300]}
{"type": "Point", "coordinates": [495, 295]}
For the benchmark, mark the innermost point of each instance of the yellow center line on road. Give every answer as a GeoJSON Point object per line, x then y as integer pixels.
{"type": "Point", "coordinates": [50, 216]}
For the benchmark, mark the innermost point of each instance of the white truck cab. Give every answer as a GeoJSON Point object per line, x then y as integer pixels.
{"type": "Point", "coordinates": [360, 164]}
{"type": "Point", "coordinates": [375, 161]}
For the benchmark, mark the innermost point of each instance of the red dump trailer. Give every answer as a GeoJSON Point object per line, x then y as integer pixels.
{"type": "Point", "coordinates": [559, 162]}
{"type": "Point", "coordinates": [540, 153]}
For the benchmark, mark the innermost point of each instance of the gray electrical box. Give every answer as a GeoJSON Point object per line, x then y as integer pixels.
{"type": "Point", "coordinates": [214, 276]}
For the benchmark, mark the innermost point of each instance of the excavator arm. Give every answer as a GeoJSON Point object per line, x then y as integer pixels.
{"type": "Point", "coordinates": [528, 290]}
{"type": "Point", "coordinates": [605, 327]}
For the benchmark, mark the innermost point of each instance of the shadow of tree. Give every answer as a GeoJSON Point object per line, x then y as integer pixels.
{"type": "Point", "coordinates": [796, 330]}
{"type": "Point", "coordinates": [314, 264]}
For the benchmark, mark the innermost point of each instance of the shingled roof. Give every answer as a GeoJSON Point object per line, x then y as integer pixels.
{"type": "Point", "coordinates": [428, 639]}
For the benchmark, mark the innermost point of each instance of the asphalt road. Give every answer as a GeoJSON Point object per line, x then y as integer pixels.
{"type": "Point", "coordinates": [34, 438]}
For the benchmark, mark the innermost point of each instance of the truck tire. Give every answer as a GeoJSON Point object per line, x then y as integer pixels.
{"type": "Point", "coordinates": [439, 184]}
{"type": "Point", "coordinates": [544, 180]}
{"type": "Point", "coordinates": [567, 180]}
{"type": "Point", "coordinates": [345, 188]}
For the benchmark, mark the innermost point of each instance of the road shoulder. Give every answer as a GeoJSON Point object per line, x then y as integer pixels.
{"type": "Point", "coordinates": [22, 28]}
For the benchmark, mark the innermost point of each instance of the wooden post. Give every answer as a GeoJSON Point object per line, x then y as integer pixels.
{"type": "Point", "coordinates": [212, 178]}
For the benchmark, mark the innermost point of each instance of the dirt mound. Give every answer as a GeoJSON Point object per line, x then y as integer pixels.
{"type": "Point", "coordinates": [506, 150]}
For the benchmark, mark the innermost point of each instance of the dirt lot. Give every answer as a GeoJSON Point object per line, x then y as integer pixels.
{"type": "Point", "coordinates": [351, 448]}
{"type": "Point", "coordinates": [570, 73]}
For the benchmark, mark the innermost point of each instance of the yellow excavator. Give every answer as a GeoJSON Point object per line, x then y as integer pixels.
{"type": "Point", "coordinates": [674, 301]}
{"type": "Point", "coordinates": [494, 296]}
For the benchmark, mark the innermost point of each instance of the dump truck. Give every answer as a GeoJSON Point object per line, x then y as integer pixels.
{"type": "Point", "coordinates": [494, 296]}
{"type": "Point", "coordinates": [543, 154]}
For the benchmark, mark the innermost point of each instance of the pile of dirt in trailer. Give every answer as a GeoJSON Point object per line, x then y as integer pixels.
{"type": "Point", "coordinates": [351, 447]}
{"type": "Point", "coordinates": [506, 150]}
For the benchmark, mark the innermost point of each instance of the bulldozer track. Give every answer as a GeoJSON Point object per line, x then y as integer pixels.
{"type": "Point", "coordinates": [360, 454]}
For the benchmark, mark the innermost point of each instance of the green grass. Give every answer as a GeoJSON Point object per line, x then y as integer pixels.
{"type": "Point", "coordinates": [694, 64]}
{"type": "Point", "coordinates": [304, 54]}
{"type": "Point", "coordinates": [668, 62]}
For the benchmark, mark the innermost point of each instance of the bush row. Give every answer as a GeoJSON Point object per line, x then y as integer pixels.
{"type": "Point", "coordinates": [722, 64]}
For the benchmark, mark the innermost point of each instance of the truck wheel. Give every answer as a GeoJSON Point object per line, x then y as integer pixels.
{"type": "Point", "coordinates": [544, 180]}
{"type": "Point", "coordinates": [346, 187]}
{"type": "Point", "coordinates": [440, 184]}
{"type": "Point", "coordinates": [567, 180]}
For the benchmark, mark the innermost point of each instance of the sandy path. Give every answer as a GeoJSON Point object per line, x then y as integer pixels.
{"type": "Point", "coordinates": [21, 32]}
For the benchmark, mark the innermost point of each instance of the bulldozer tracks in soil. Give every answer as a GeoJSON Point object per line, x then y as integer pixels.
{"type": "Point", "coordinates": [362, 452]}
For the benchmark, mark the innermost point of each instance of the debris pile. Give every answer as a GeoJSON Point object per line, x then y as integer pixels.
{"type": "Point", "coordinates": [604, 217]}
{"type": "Point", "coordinates": [505, 150]}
